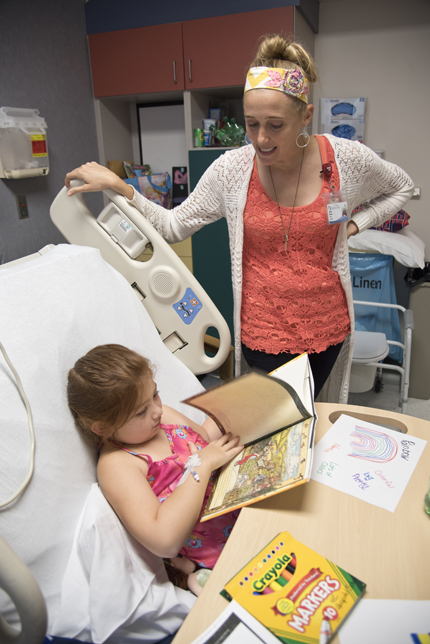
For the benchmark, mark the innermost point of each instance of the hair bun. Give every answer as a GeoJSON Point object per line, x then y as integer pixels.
{"type": "Point", "coordinates": [278, 51]}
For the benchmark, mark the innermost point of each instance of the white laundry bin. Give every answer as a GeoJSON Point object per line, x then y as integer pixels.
{"type": "Point", "coordinates": [368, 347]}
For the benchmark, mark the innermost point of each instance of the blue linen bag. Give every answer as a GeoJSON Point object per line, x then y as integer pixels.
{"type": "Point", "coordinates": [372, 279]}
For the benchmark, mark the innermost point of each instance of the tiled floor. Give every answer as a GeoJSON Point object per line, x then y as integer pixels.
{"type": "Point", "coordinates": [388, 398]}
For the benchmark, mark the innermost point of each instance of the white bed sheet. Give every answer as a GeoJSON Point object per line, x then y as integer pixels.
{"type": "Point", "coordinates": [113, 589]}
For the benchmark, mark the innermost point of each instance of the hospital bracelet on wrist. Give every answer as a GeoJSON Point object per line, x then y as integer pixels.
{"type": "Point", "coordinates": [191, 462]}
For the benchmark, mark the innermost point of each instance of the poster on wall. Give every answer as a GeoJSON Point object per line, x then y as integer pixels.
{"type": "Point", "coordinates": [343, 117]}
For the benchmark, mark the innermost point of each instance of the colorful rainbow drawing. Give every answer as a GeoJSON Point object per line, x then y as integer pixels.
{"type": "Point", "coordinates": [372, 445]}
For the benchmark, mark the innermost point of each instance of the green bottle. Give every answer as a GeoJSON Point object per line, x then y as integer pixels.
{"type": "Point", "coordinates": [427, 501]}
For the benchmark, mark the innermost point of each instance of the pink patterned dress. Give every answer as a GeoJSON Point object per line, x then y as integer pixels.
{"type": "Point", "coordinates": [207, 539]}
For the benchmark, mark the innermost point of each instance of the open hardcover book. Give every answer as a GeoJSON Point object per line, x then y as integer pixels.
{"type": "Point", "coordinates": [274, 415]}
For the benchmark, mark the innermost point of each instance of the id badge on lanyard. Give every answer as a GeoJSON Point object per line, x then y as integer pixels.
{"type": "Point", "coordinates": [335, 201]}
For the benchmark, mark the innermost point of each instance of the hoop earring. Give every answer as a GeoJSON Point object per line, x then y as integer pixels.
{"type": "Point", "coordinates": [305, 135]}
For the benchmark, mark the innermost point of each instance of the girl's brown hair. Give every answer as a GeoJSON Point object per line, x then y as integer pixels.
{"type": "Point", "coordinates": [106, 386]}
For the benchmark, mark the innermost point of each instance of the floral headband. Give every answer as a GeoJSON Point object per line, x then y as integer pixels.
{"type": "Point", "coordinates": [290, 81]}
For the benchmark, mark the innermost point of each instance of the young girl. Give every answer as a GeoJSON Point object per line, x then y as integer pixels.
{"type": "Point", "coordinates": [155, 465]}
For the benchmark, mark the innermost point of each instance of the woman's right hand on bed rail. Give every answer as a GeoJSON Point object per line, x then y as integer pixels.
{"type": "Point", "coordinates": [96, 178]}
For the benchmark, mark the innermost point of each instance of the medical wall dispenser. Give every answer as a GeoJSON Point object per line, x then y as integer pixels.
{"type": "Point", "coordinates": [23, 143]}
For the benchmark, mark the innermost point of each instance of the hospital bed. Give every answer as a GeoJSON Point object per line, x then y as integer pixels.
{"type": "Point", "coordinates": [97, 582]}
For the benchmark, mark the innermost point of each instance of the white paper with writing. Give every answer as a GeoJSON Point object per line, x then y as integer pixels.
{"type": "Point", "coordinates": [366, 460]}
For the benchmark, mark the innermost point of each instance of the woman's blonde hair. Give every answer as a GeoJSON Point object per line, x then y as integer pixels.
{"type": "Point", "coordinates": [106, 386]}
{"type": "Point", "coordinates": [276, 50]}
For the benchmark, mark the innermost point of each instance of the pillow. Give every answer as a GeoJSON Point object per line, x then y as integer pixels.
{"type": "Point", "coordinates": [408, 249]}
{"type": "Point", "coordinates": [396, 223]}
{"type": "Point", "coordinates": [407, 232]}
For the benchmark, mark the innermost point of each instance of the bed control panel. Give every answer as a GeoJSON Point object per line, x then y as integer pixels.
{"type": "Point", "coordinates": [123, 231]}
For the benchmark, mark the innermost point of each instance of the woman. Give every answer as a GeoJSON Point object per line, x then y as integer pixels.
{"type": "Point", "coordinates": [290, 267]}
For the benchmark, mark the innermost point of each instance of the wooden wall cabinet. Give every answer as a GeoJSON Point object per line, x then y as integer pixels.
{"type": "Point", "coordinates": [195, 54]}
{"type": "Point", "coordinates": [137, 61]}
{"type": "Point", "coordinates": [218, 51]}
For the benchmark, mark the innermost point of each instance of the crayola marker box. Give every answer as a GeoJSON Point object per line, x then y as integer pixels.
{"type": "Point", "coordinates": [294, 592]}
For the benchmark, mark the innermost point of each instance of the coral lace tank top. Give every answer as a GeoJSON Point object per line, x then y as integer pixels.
{"type": "Point", "coordinates": [292, 301]}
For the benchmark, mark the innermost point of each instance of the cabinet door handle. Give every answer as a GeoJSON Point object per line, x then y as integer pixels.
{"type": "Point", "coordinates": [189, 70]}
{"type": "Point", "coordinates": [174, 72]}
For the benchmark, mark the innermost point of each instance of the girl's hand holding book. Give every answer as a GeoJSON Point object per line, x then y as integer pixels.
{"type": "Point", "coordinates": [218, 452]}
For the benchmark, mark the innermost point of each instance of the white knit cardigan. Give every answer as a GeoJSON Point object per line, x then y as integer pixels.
{"type": "Point", "coordinates": [382, 187]}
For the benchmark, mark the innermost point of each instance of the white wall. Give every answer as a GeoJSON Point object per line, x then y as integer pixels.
{"type": "Point", "coordinates": [380, 49]}
{"type": "Point", "coordinates": [162, 131]}
{"type": "Point", "coordinates": [45, 66]}
{"type": "Point", "coordinates": [113, 117]}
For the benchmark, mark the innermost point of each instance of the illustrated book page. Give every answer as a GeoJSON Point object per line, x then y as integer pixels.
{"type": "Point", "coordinates": [272, 465]}
{"type": "Point", "coordinates": [274, 416]}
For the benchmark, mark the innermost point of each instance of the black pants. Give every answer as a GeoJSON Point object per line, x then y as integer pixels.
{"type": "Point", "coordinates": [321, 363]}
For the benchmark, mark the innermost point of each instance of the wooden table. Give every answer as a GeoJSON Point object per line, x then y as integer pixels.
{"type": "Point", "coordinates": [389, 551]}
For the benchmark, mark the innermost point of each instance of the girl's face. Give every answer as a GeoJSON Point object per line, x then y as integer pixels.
{"type": "Point", "coordinates": [273, 124]}
{"type": "Point", "coordinates": [145, 422]}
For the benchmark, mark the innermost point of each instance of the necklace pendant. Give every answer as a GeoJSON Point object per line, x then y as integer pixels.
{"type": "Point", "coordinates": [285, 242]}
